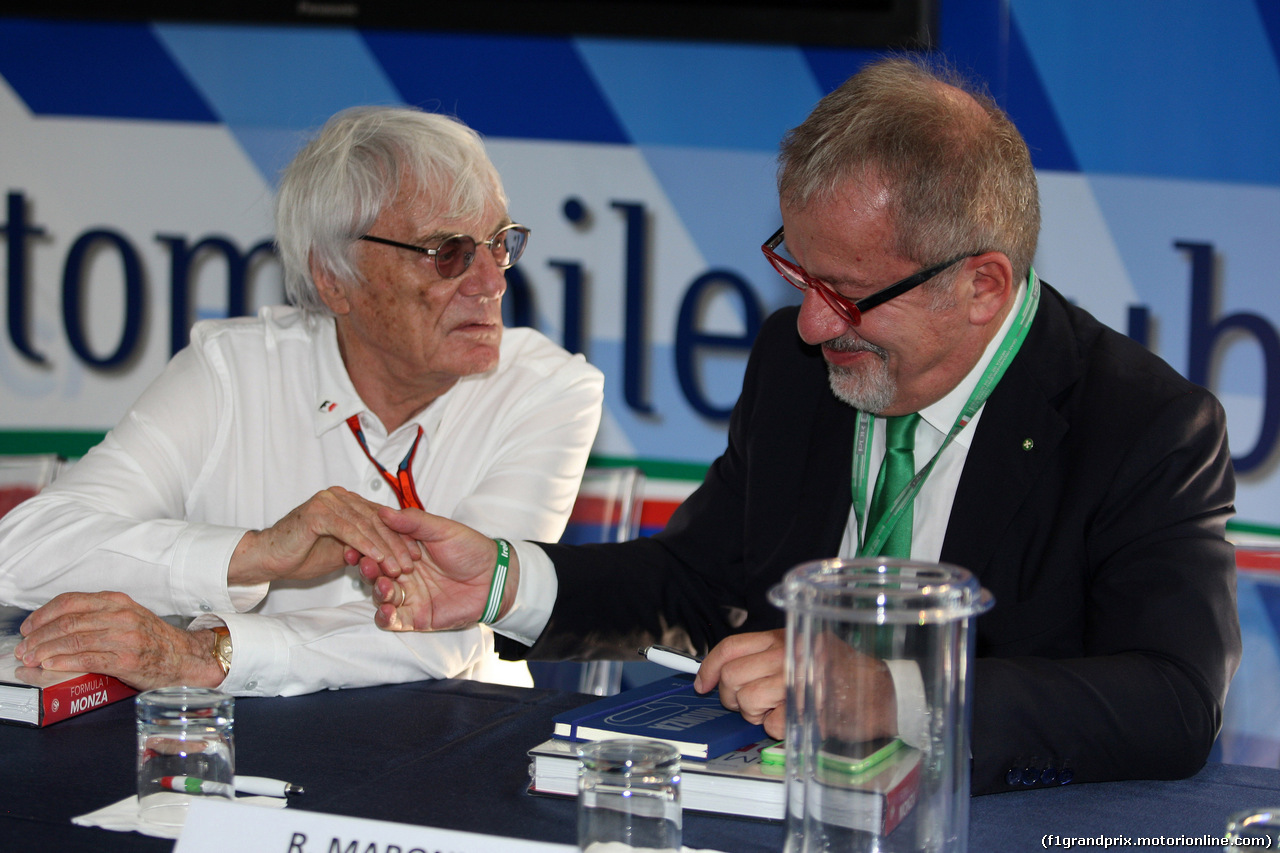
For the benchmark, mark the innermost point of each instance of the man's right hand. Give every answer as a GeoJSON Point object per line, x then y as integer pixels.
{"type": "Point", "coordinates": [860, 701]}
{"type": "Point", "coordinates": [750, 670]}
{"type": "Point", "coordinates": [448, 585]}
{"type": "Point", "coordinates": [312, 541]}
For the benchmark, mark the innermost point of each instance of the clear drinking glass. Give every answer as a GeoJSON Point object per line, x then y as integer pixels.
{"type": "Point", "coordinates": [629, 796]}
{"type": "Point", "coordinates": [186, 749]}
{"type": "Point", "coordinates": [1258, 829]}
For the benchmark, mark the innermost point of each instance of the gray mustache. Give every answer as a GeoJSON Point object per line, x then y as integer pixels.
{"type": "Point", "coordinates": [847, 345]}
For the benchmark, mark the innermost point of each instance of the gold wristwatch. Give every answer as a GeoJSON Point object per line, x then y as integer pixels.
{"type": "Point", "coordinates": [222, 648]}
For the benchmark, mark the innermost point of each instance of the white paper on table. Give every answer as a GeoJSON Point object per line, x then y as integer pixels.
{"type": "Point", "coordinates": [212, 828]}
{"type": "Point", "coordinates": [123, 816]}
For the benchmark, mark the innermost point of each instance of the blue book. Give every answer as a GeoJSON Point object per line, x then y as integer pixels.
{"type": "Point", "coordinates": [669, 710]}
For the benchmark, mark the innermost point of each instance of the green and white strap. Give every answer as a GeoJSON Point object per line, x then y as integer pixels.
{"type": "Point", "coordinates": [498, 586]}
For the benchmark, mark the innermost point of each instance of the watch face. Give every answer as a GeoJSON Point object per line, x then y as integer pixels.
{"type": "Point", "coordinates": [222, 649]}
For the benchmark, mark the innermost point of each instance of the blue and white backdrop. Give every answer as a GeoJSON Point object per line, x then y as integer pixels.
{"type": "Point", "coordinates": [139, 159]}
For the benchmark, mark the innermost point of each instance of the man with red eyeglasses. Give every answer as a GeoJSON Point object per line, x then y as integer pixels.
{"type": "Point", "coordinates": [233, 488]}
{"type": "Point", "coordinates": [1083, 481]}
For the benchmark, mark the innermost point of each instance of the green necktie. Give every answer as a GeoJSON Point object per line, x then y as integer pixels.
{"type": "Point", "coordinates": [896, 471]}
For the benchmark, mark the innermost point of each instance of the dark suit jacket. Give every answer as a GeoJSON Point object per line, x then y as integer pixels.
{"type": "Point", "coordinates": [1114, 634]}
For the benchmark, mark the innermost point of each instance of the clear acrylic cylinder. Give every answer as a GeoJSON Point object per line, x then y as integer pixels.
{"type": "Point", "coordinates": [879, 653]}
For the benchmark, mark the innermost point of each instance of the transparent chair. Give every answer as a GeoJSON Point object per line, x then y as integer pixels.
{"type": "Point", "coordinates": [23, 476]}
{"type": "Point", "coordinates": [607, 510]}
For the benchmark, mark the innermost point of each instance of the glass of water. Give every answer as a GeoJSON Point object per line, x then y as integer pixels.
{"type": "Point", "coordinates": [629, 796]}
{"type": "Point", "coordinates": [186, 749]}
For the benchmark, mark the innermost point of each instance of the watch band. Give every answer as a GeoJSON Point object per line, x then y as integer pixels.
{"type": "Point", "coordinates": [222, 648]}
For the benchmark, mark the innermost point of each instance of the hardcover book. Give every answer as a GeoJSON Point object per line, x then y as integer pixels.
{"type": "Point", "coordinates": [736, 783]}
{"type": "Point", "coordinates": [668, 710]}
{"type": "Point", "coordinates": [876, 799]}
{"type": "Point", "coordinates": [743, 784]}
{"type": "Point", "coordinates": [33, 697]}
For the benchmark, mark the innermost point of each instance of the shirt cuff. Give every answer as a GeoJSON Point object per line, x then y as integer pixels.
{"type": "Point", "coordinates": [535, 596]}
{"type": "Point", "coordinates": [259, 653]}
{"type": "Point", "coordinates": [198, 586]}
{"type": "Point", "coordinates": [913, 712]}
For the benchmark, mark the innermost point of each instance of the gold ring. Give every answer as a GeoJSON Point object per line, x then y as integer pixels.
{"type": "Point", "coordinates": [403, 595]}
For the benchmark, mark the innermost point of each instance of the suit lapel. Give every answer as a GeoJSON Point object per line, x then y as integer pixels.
{"type": "Point", "coordinates": [829, 467]}
{"type": "Point", "coordinates": [1017, 436]}
{"type": "Point", "coordinates": [819, 454]}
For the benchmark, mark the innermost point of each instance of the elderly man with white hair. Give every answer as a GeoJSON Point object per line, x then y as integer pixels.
{"type": "Point", "coordinates": [247, 476]}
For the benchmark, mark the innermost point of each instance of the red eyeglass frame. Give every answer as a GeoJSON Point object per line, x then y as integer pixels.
{"type": "Point", "coordinates": [847, 309]}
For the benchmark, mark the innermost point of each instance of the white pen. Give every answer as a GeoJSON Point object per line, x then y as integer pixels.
{"type": "Point", "coordinates": [264, 787]}
{"type": "Point", "coordinates": [672, 659]}
{"type": "Point", "coordinates": [259, 785]}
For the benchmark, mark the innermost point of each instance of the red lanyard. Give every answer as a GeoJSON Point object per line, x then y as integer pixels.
{"type": "Point", "coordinates": [402, 482]}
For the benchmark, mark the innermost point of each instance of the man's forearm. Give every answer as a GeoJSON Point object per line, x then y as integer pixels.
{"type": "Point", "coordinates": [245, 569]}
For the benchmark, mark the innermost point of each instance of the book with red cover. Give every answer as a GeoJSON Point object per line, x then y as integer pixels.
{"type": "Point", "coordinates": [33, 697]}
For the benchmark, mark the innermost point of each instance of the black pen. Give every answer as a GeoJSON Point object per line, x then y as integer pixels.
{"type": "Point", "coordinates": [672, 659]}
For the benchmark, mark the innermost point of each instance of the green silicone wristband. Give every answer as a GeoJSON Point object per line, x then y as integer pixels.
{"type": "Point", "coordinates": [497, 586]}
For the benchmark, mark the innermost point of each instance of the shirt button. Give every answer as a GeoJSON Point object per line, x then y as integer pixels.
{"type": "Point", "coordinates": [251, 685]}
{"type": "Point", "coordinates": [375, 484]}
{"type": "Point", "coordinates": [206, 608]}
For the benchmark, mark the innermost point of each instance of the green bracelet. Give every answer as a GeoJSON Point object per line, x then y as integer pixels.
{"type": "Point", "coordinates": [498, 586]}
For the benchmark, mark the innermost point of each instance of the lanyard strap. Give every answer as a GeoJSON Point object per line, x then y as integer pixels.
{"type": "Point", "coordinates": [873, 541]}
{"type": "Point", "coordinates": [402, 482]}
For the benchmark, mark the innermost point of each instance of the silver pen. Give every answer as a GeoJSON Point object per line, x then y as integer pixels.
{"type": "Point", "coordinates": [672, 659]}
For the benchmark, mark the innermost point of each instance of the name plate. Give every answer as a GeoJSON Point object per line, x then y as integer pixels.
{"type": "Point", "coordinates": [215, 827]}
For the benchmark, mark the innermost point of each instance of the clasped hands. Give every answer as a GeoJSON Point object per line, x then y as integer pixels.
{"type": "Point", "coordinates": [449, 585]}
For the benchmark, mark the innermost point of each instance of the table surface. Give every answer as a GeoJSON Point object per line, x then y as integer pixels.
{"type": "Point", "coordinates": [451, 754]}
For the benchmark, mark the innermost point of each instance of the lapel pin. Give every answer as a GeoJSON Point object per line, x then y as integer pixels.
{"type": "Point", "coordinates": [1027, 444]}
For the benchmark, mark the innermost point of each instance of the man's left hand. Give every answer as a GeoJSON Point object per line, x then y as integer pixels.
{"type": "Point", "coordinates": [111, 634]}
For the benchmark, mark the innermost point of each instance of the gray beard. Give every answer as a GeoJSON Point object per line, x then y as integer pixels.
{"type": "Point", "coordinates": [871, 390]}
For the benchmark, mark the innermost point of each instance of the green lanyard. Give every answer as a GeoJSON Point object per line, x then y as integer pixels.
{"type": "Point", "coordinates": [874, 540]}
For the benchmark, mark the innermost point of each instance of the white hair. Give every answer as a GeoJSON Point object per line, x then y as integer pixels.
{"type": "Point", "coordinates": [338, 185]}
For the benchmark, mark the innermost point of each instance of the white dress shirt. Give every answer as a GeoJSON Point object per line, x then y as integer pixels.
{"type": "Point", "coordinates": [246, 424]}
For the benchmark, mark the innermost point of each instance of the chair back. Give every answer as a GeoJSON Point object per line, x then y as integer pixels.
{"type": "Point", "coordinates": [607, 510]}
{"type": "Point", "coordinates": [25, 475]}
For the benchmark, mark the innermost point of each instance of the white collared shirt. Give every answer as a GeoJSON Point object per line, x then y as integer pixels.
{"type": "Point", "coordinates": [248, 423]}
